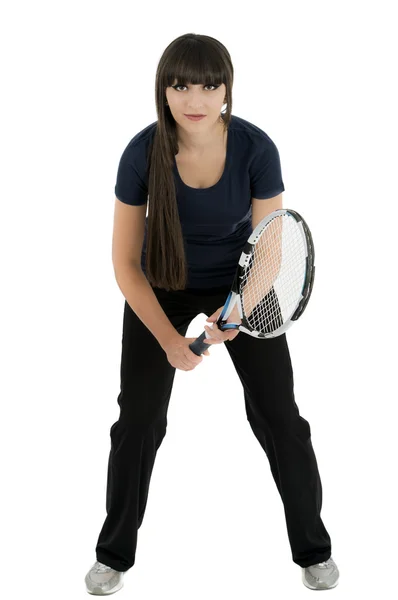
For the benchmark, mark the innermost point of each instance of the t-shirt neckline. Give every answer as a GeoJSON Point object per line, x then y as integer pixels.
{"type": "Point", "coordinates": [224, 173]}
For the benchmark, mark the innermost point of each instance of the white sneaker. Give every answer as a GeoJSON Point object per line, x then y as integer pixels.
{"type": "Point", "coordinates": [101, 579]}
{"type": "Point", "coordinates": [322, 576]}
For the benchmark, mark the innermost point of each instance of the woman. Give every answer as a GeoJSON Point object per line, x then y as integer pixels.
{"type": "Point", "coordinates": [209, 182]}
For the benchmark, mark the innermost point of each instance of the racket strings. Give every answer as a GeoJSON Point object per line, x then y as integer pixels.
{"type": "Point", "coordinates": [273, 279]}
{"type": "Point", "coordinates": [269, 318]}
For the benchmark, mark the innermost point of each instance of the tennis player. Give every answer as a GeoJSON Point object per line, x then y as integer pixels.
{"type": "Point", "coordinates": [207, 178]}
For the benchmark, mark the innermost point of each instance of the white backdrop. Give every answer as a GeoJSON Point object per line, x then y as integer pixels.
{"type": "Point", "coordinates": [318, 77]}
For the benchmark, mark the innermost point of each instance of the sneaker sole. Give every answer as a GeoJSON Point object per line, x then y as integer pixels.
{"type": "Point", "coordinates": [312, 587]}
{"type": "Point", "coordinates": [98, 592]}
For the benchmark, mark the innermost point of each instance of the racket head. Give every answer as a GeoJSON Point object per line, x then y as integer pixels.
{"type": "Point", "coordinates": [276, 271]}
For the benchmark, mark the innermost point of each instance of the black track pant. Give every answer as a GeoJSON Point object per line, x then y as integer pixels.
{"type": "Point", "coordinates": [265, 370]}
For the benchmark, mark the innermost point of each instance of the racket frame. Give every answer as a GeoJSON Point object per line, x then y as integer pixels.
{"type": "Point", "coordinates": [234, 297]}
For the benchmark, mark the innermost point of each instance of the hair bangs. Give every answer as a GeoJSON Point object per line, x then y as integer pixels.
{"type": "Point", "coordinates": [195, 65]}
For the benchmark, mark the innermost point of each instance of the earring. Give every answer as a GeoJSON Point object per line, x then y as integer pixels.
{"type": "Point", "coordinates": [223, 113]}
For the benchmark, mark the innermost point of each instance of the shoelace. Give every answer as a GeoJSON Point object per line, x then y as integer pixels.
{"type": "Point", "coordinates": [325, 563]}
{"type": "Point", "coordinates": [101, 568]}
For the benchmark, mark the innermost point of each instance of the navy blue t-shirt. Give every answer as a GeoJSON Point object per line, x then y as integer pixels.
{"type": "Point", "coordinates": [215, 221]}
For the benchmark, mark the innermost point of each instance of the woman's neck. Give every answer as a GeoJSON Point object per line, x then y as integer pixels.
{"type": "Point", "coordinates": [201, 143]}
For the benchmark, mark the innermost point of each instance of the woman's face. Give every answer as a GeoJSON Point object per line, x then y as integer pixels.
{"type": "Point", "coordinates": [204, 99]}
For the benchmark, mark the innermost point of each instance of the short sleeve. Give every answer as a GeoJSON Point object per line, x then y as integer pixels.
{"type": "Point", "coordinates": [266, 173]}
{"type": "Point", "coordinates": [131, 185]}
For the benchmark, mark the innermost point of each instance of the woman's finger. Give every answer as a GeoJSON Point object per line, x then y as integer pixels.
{"type": "Point", "coordinates": [215, 334]}
{"type": "Point", "coordinates": [220, 337]}
{"type": "Point", "coordinates": [210, 341]}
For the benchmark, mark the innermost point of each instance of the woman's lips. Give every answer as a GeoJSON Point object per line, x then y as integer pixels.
{"type": "Point", "coordinates": [195, 118]}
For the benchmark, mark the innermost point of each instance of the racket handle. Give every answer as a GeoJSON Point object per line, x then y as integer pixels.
{"type": "Point", "coordinates": [198, 346]}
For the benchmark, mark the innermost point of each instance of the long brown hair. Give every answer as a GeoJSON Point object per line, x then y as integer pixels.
{"type": "Point", "coordinates": [189, 59]}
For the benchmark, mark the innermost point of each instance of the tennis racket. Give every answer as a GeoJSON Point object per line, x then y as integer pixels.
{"type": "Point", "coordinates": [273, 280]}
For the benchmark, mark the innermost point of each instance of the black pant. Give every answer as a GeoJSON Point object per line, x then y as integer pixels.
{"type": "Point", "coordinates": [265, 370]}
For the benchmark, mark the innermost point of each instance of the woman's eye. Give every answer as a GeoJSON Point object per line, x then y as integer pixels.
{"type": "Point", "coordinates": [208, 85]}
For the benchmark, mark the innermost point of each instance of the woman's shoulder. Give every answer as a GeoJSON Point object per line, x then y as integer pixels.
{"type": "Point", "coordinates": [142, 138]}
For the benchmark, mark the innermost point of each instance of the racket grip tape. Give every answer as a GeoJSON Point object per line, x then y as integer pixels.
{"type": "Point", "coordinates": [198, 346]}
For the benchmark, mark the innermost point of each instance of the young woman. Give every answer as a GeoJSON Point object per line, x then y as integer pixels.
{"type": "Point", "coordinates": [207, 182]}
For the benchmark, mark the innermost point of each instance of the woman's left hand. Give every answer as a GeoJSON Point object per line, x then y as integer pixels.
{"type": "Point", "coordinates": [217, 335]}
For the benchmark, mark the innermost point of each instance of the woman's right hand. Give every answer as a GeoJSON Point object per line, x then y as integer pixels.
{"type": "Point", "coordinates": [180, 355]}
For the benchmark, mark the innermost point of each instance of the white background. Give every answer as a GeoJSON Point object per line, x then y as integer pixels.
{"type": "Point", "coordinates": [79, 83]}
